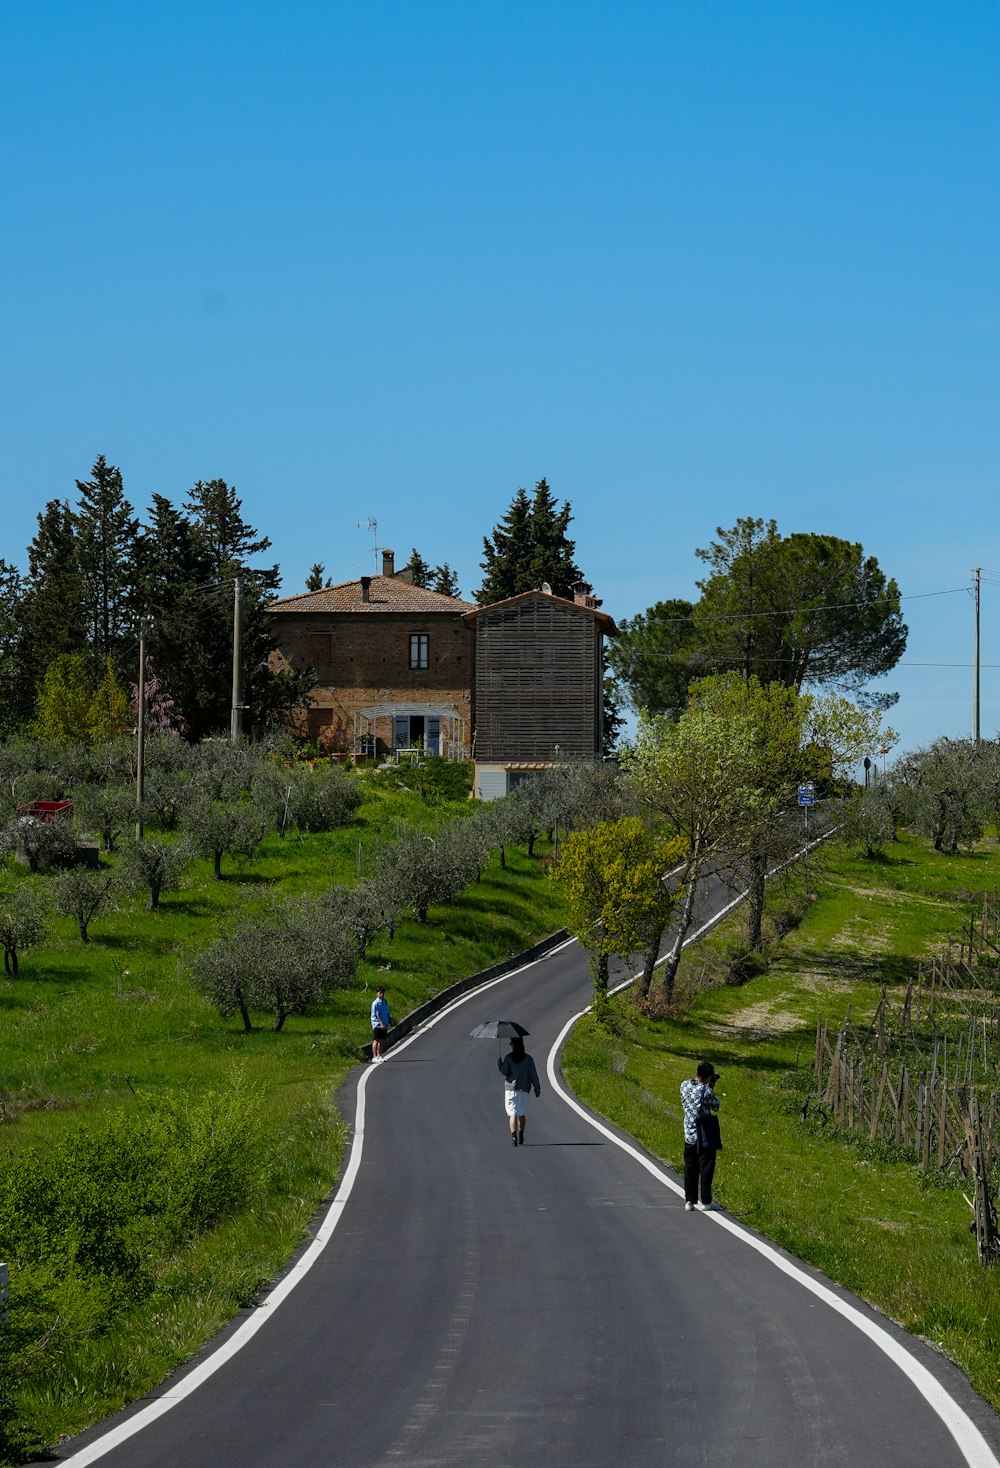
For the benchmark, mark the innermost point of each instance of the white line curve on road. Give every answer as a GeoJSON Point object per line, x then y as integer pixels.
{"type": "Point", "coordinates": [244, 1333]}
{"type": "Point", "coordinates": [968, 1438]}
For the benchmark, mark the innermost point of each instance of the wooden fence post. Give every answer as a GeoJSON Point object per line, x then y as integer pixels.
{"type": "Point", "coordinates": [877, 1108]}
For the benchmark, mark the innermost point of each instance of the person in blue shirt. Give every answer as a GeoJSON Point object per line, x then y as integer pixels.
{"type": "Point", "coordinates": [699, 1101]}
{"type": "Point", "coordinates": [380, 1023]}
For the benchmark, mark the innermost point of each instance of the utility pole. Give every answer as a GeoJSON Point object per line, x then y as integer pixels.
{"type": "Point", "coordinates": [236, 727]}
{"type": "Point", "coordinates": [975, 656]}
{"type": "Point", "coordinates": [140, 760]}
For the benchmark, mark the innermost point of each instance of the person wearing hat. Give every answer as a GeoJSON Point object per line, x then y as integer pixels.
{"type": "Point", "coordinates": [701, 1137]}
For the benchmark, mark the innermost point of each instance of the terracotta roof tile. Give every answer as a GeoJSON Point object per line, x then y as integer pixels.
{"type": "Point", "coordinates": [386, 594]}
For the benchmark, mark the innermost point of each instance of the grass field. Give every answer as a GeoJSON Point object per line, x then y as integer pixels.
{"type": "Point", "coordinates": [866, 1220]}
{"type": "Point", "coordinates": [101, 1030]}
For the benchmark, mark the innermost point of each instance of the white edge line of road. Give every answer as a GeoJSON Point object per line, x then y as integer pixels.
{"type": "Point", "coordinates": [970, 1441]}
{"type": "Point", "coordinates": [114, 1438]}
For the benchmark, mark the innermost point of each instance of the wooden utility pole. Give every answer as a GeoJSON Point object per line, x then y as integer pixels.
{"type": "Point", "coordinates": [977, 571]}
{"type": "Point", "coordinates": [140, 758]}
{"type": "Point", "coordinates": [236, 726]}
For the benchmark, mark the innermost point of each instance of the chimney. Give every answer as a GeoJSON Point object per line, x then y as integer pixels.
{"type": "Point", "coordinates": [583, 595]}
{"type": "Point", "coordinates": [366, 586]}
{"type": "Point", "coordinates": [388, 563]}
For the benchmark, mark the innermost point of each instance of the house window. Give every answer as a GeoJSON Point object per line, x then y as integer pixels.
{"type": "Point", "coordinates": [418, 649]}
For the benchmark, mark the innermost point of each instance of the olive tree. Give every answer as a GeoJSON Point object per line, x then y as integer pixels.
{"type": "Point", "coordinates": [24, 922]}
{"type": "Point", "coordinates": [81, 893]}
{"type": "Point", "coordinates": [153, 867]}
{"type": "Point", "coordinates": [281, 961]}
{"type": "Point", "coordinates": [41, 844]}
{"type": "Point", "coordinates": [217, 828]}
{"type": "Point", "coordinates": [107, 809]}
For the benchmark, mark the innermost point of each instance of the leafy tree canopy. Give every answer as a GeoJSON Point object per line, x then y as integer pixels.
{"type": "Point", "coordinates": [612, 877]}
{"type": "Point", "coordinates": [805, 608]}
{"type": "Point", "coordinates": [653, 656]}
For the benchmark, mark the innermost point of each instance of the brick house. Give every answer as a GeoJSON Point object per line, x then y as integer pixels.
{"type": "Point", "coordinates": [393, 662]}
{"type": "Point", "coordinates": [538, 685]}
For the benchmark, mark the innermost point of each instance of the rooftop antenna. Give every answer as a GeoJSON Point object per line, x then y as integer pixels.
{"type": "Point", "coordinates": [372, 525]}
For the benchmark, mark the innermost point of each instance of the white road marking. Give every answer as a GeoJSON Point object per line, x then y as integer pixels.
{"type": "Point", "coordinates": [970, 1441]}
{"type": "Point", "coordinates": [112, 1439]}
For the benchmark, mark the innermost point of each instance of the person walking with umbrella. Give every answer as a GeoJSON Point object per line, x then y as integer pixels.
{"type": "Point", "coordinates": [520, 1077]}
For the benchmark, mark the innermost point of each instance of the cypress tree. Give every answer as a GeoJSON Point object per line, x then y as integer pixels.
{"type": "Point", "coordinates": [51, 606]}
{"type": "Point", "coordinates": [420, 571]}
{"type": "Point", "coordinates": [176, 594]}
{"type": "Point", "coordinates": [106, 542]}
{"type": "Point", "coordinates": [15, 682]}
{"type": "Point", "coordinates": [228, 542]}
{"type": "Point", "coordinates": [529, 546]}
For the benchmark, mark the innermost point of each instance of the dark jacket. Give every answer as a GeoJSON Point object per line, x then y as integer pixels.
{"type": "Point", "coordinates": [519, 1075]}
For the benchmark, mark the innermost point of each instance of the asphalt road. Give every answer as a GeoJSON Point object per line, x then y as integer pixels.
{"type": "Point", "coordinates": [551, 1304]}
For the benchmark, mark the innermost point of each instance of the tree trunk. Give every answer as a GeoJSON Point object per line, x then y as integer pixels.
{"type": "Point", "coordinates": [673, 961]}
{"type": "Point", "coordinates": [83, 924]}
{"type": "Point", "coordinates": [10, 962]}
{"type": "Point", "coordinates": [217, 856]}
{"type": "Point", "coordinates": [755, 902]}
{"type": "Point", "coordinates": [243, 1011]}
{"type": "Point", "coordinates": [649, 966]}
{"type": "Point", "coordinates": [599, 966]}
{"type": "Point", "coordinates": [503, 857]}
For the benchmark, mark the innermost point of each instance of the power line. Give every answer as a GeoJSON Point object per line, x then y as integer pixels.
{"type": "Point", "coordinates": [695, 616]}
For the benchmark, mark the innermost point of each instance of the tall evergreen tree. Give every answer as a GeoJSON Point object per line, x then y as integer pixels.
{"type": "Point", "coordinates": [444, 580]}
{"type": "Point", "coordinates": [106, 542]}
{"type": "Point", "coordinates": [228, 543]}
{"type": "Point", "coordinates": [51, 607]}
{"type": "Point", "coordinates": [15, 684]}
{"type": "Point", "coordinates": [528, 547]}
{"type": "Point", "coordinates": [420, 571]}
{"type": "Point", "coordinates": [186, 631]}
{"type": "Point", "coordinates": [314, 581]}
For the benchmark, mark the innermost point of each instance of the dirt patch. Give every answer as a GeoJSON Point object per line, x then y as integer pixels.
{"type": "Point", "coordinates": [887, 896]}
{"type": "Point", "coordinates": [764, 1019]}
{"type": "Point", "coordinates": [816, 983]}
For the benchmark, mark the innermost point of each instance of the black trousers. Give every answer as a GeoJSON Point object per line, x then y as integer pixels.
{"type": "Point", "coordinates": [698, 1166]}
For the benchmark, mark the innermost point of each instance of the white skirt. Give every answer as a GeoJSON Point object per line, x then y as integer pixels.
{"type": "Point", "coordinates": [515, 1102]}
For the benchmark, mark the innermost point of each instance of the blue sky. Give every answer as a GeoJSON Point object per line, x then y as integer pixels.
{"type": "Point", "coordinates": [393, 260]}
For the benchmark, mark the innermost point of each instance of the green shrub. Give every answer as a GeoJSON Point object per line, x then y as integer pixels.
{"type": "Point", "coordinates": [438, 779]}
{"type": "Point", "coordinates": [85, 1222]}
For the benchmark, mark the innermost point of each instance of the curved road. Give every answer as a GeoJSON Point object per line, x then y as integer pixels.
{"type": "Point", "coordinates": [550, 1304]}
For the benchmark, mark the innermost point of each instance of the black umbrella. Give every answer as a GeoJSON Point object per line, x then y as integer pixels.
{"type": "Point", "coordinates": [497, 1029]}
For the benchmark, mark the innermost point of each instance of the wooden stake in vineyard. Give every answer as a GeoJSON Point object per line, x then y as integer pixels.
{"type": "Point", "coordinates": [983, 1209]}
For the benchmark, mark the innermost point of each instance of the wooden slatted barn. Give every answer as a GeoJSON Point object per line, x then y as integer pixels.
{"type": "Point", "coordinates": [538, 692]}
